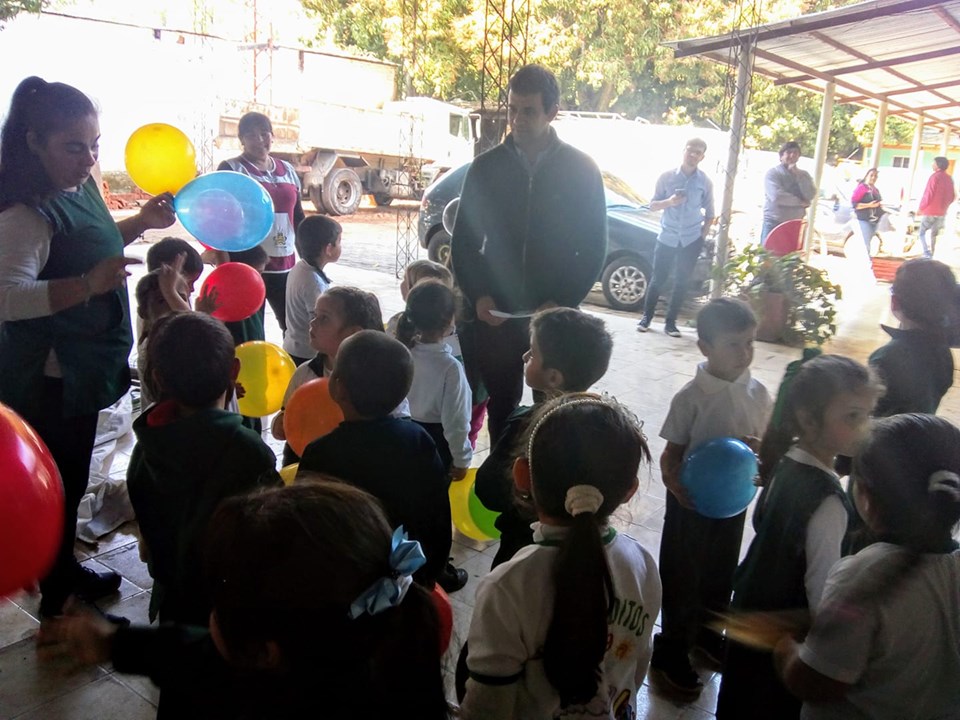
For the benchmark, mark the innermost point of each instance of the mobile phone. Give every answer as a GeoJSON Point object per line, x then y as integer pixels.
{"type": "Point", "coordinates": [682, 192]}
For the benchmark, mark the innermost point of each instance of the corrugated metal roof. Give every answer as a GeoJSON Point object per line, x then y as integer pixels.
{"type": "Point", "coordinates": [904, 51]}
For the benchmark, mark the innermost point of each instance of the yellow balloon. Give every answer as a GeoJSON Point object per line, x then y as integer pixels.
{"type": "Point", "coordinates": [265, 372]}
{"type": "Point", "coordinates": [460, 507]}
{"type": "Point", "coordinates": [288, 473]}
{"type": "Point", "coordinates": [160, 158]}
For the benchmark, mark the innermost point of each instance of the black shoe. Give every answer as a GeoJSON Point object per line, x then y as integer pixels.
{"type": "Point", "coordinates": [91, 585]}
{"type": "Point", "coordinates": [452, 579]}
{"type": "Point", "coordinates": [712, 647]}
{"type": "Point", "coordinates": [670, 670]}
{"type": "Point", "coordinates": [644, 324]}
{"type": "Point", "coordinates": [671, 329]}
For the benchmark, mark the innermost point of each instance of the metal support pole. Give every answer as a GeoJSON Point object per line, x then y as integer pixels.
{"type": "Point", "coordinates": [878, 135]}
{"type": "Point", "coordinates": [738, 124]}
{"type": "Point", "coordinates": [819, 158]}
{"type": "Point", "coordinates": [915, 153]}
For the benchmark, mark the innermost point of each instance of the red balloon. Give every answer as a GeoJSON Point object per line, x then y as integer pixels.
{"type": "Point", "coordinates": [240, 291]}
{"type": "Point", "coordinates": [310, 414]}
{"type": "Point", "coordinates": [445, 613]}
{"type": "Point", "coordinates": [31, 505]}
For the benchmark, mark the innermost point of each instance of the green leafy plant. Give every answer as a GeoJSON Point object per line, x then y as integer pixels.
{"type": "Point", "coordinates": [810, 296]}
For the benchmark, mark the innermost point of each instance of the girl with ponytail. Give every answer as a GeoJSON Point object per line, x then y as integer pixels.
{"type": "Point", "coordinates": [565, 627]}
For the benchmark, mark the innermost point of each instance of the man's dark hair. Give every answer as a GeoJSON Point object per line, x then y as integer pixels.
{"type": "Point", "coordinates": [253, 121]}
{"type": "Point", "coordinates": [533, 79]}
{"type": "Point", "coordinates": [166, 251]}
{"type": "Point", "coordinates": [724, 315]}
{"type": "Point", "coordinates": [942, 162]}
{"type": "Point", "coordinates": [375, 371]}
{"type": "Point", "coordinates": [574, 343]}
{"type": "Point", "coordinates": [191, 358]}
{"type": "Point", "coordinates": [788, 146]}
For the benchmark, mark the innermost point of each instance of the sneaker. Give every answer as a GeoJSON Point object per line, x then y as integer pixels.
{"type": "Point", "coordinates": [644, 324]}
{"type": "Point", "coordinates": [452, 579]}
{"type": "Point", "coordinates": [670, 670]}
{"type": "Point", "coordinates": [671, 329]}
{"type": "Point", "coordinates": [712, 647]}
{"type": "Point", "coordinates": [91, 585]}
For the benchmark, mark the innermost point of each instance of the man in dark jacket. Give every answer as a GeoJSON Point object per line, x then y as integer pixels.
{"type": "Point", "coordinates": [530, 234]}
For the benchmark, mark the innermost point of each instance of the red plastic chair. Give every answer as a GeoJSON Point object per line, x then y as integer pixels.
{"type": "Point", "coordinates": [785, 238]}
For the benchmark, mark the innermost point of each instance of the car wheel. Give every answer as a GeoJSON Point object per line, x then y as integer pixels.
{"type": "Point", "coordinates": [342, 192]}
{"type": "Point", "coordinates": [625, 281]}
{"type": "Point", "coordinates": [438, 249]}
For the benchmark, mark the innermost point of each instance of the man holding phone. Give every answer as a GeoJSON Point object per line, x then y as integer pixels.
{"type": "Point", "coordinates": [685, 195]}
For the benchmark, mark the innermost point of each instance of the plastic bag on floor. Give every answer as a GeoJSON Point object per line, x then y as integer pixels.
{"type": "Point", "coordinates": [106, 506]}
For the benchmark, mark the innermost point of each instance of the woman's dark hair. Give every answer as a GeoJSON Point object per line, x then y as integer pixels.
{"type": "Point", "coordinates": [358, 307]}
{"type": "Point", "coordinates": [581, 439]}
{"type": "Point", "coordinates": [898, 466]}
{"type": "Point", "coordinates": [253, 121]}
{"type": "Point", "coordinates": [810, 391]}
{"type": "Point", "coordinates": [314, 234]}
{"type": "Point", "coordinates": [41, 108]}
{"type": "Point", "coordinates": [926, 292]}
{"type": "Point", "coordinates": [430, 308]}
{"type": "Point", "coordinates": [863, 180]}
{"type": "Point", "coordinates": [285, 564]}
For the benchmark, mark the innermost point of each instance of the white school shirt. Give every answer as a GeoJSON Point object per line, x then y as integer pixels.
{"type": "Point", "coordinates": [514, 607]}
{"type": "Point", "coordinates": [825, 531]}
{"type": "Point", "coordinates": [304, 285]}
{"type": "Point", "coordinates": [708, 407]}
{"type": "Point", "coordinates": [440, 394]}
{"type": "Point", "coordinates": [899, 647]}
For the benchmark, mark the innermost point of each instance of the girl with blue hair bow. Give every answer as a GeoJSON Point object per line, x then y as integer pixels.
{"type": "Point", "coordinates": [315, 615]}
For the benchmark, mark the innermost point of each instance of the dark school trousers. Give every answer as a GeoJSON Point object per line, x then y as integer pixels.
{"type": "Point", "coordinates": [680, 260]}
{"type": "Point", "coordinates": [494, 356]}
{"type": "Point", "coordinates": [750, 688]}
{"type": "Point", "coordinates": [276, 287]}
{"type": "Point", "coordinates": [70, 441]}
{"type": "Point", "coordinates": [698, 556]}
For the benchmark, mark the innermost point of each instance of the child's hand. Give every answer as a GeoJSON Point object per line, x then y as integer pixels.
{"type": "Point", "coordinates": [752, 442]}
{"type": "Point", "coordinates": [672, 482]}
{"type": "Point", "coordinates": [457, 473]}
{"type": "Point", "coordinates": [81, 634]}
{"type": "Point", "coordinates": [208, 301]}
{"type": "Point", "coordinates": [276, 427]}
{"type": "Point", "coordinates": [214, 257]}
{"type": "Point", "coordinates": [238, 389]}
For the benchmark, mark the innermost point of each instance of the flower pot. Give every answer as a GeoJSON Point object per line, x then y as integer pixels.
{"type": "Point", "coordinates": [772, 310]}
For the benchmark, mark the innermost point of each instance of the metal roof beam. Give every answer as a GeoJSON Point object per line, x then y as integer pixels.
{"type": "Point", "coordinates": [878, 64]}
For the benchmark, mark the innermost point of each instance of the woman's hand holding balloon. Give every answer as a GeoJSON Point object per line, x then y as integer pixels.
{"type": "Point", "coordinates": [157, 212]}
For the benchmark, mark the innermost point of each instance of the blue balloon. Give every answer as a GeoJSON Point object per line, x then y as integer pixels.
{"type": "Point", "coordinates": [718, 477]}
{"type": "Point", "coordinates": [225, 210]}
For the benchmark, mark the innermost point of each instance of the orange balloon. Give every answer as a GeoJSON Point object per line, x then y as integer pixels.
{"type": "Point", "coordinates": [310, 414]}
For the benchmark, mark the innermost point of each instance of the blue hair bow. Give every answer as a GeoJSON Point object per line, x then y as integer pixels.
{"type": "Point", "coordinates": [406, 557]}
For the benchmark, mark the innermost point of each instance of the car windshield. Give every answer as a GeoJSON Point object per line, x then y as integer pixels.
{"type": "Point", "coordinates": [620, 194]}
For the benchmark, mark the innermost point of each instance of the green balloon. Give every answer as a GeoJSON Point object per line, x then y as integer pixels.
{"type": "Point", "coordinates": [482, 517]}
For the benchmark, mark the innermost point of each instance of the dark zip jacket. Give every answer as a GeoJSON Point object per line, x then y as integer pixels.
{"type": "Point", "coordinates": [528, 239]}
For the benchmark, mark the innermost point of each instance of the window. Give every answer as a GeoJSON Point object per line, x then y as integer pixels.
{"type": "Point", "coordinates": [901, 161]}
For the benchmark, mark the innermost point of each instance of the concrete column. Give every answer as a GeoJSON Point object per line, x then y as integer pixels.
{"type": "Point", "coordinates": [878, 136]}
{"type": "Point", "coordinates": [738, 124]}
{"type": "Point", "coordinates": [915, 152]}
{"type": "Point", "coordinates": [945, 141]}
{"type": "Point", "coordinates": [819, 158]}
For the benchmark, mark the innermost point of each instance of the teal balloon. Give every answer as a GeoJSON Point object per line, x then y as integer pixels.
{"type": "Point", "coordinates": [483, 518]}
{"type": "Point", "coordinates": [225, 210]}
{"type": "Point", "coordinates": [718, 477]}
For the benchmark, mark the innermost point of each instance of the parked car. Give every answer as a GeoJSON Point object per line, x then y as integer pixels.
{"type": "Point", "coordinates": [632, 230]}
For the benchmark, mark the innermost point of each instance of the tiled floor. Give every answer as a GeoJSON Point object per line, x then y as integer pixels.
{"type": "Point", "coordinates": [645, 372]}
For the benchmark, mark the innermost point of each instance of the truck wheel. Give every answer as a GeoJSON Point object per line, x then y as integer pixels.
{"type": "Point", "coordinates": [382, 199]}
{"type": "Point", "coordinates": [316, 197]}
{"type": "Point", "coordinates": [625, 282]}
{"type": "Point", "coordinates": [342, 192]}
{"type": "Point", "coordinates": [438, 249]}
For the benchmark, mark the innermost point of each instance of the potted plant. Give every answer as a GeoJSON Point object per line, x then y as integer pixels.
{"type": "Point", "coordinates": [794, 302]}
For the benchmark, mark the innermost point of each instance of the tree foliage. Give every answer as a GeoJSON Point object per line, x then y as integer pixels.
{"type": "Point", "coordinates": [607, 55]}
{"type": "Point", "coordinates": [9, 9]}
